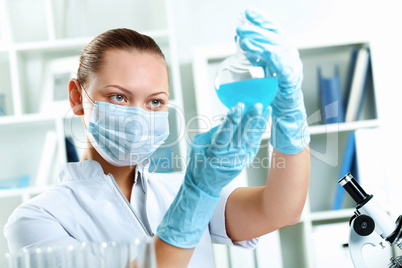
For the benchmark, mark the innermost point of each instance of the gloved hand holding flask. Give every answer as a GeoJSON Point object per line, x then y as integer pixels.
{"type": "Point", "coordinates": [213, 166]}
{"type": "Point", "coordinates": [215, 159]}
{"type": "Point", "coordinates": [289, 126]}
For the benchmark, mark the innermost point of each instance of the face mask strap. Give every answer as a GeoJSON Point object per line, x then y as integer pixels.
{"type": "Point", "coordinates": [86, 93]}
{"type": "Point", "coordinates": [90, 99]}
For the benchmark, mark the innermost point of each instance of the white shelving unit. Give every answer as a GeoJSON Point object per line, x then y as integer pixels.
{"type": "Point", "coordinates": [34, 32]}
{"type": "Point", "coordinates": [298, 243]}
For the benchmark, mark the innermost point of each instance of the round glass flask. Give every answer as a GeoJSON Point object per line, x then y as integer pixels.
{"type": "Point", "coordinates": [245, 77]}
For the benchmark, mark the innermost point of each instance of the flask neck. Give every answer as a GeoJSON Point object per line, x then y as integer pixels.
{"type": "Point", "coordinates": [239, 50]}
{"type": "Point", "coordinates": [241, 20]}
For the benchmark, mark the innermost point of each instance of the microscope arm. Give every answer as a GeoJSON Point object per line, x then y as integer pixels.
{"type": "Point", "coordinates": [361, 233]}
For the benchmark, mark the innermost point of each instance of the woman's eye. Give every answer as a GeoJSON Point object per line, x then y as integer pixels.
{"type": "Point", "coordinates": [117, 98]}
{"type": "Point", "coordinates": [155, 103]}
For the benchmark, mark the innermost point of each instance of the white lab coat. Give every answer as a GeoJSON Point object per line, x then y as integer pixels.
{"type": "Point", "coordinates": [87, 205]}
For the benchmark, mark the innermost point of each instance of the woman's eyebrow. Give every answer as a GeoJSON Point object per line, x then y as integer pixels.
{"type": "Point", "coordinates": [160, 92]}
{"type": "Point", "coordinates": [126, 91]}
{"type": "Point", "coordinates": [129, 92]}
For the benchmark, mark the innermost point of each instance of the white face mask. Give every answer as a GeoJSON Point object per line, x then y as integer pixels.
{"type": "Point", "coordinates": [126, 136]}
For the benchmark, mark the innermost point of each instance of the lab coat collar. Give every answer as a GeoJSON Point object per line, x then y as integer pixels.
{"type": "Point", "coordinates": [141, 169]}
{"type": "Point", "coordinates": [88, 169]}
{"type": "Point", "coordinates": [82, 170]}
{"type": "Point", "coordinates": [143, 166]}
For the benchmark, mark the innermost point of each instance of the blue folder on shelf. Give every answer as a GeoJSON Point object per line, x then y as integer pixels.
{"type": "Point", "coordinates": [352, 66]}
{"type": "Point", "coordinates": [349, 160]}
{"type": "Point", "coordinates": [348, 163]}
{"type": "Point", "coordinates": [331, 98]}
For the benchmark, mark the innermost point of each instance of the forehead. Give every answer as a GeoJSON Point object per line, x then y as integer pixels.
{"type": "Point", "coordinates": [116, 58]}
{"type": "Point", "coordinates": [132, 67]}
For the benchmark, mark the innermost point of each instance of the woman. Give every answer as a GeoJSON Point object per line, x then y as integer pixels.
{"type": "Point", "coordinates": [121, 91]}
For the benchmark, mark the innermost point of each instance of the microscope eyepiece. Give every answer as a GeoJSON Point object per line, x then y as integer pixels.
{"type": "Point", "coordinates": [354, 189]}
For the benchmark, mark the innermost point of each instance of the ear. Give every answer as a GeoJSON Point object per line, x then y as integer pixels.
{"type": "Point", "coordinates": [75, 96]}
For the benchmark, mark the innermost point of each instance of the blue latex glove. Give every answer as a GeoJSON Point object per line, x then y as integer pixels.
{"type": "Point", "coordinates": [215, 159]}
{"type": "Point", "coordinates": [290, 132]}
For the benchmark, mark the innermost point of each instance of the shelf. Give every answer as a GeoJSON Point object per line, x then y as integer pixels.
{"type": "Point", "coordinates": [16, 192]}
{"type": "Point", "coordinates": [313, 42]}
{"type": "Point", "coordinates": [335, 128]}
{"type": "Point", "coordinates": [51, 45]}
{"type": "Point", "coordinates": [343, 127]}
{"type": "Point", "coordinates": [24, 119]}
{"type": "Point", "coordinates": [4, 47]}
{"type": "Point", "coordinates": [332, 215]}
{"type": "Point", "coordinates": [160, 36]}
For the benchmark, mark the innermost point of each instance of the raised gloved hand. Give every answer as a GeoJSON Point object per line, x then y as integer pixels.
{"type": "Point", "coordinates": [289, 133]}
{"type": "Point", "coordinates": [215, 159]}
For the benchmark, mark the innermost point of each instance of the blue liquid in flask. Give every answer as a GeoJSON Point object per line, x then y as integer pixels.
{"type": "Point", "coordinates": [249, 92]}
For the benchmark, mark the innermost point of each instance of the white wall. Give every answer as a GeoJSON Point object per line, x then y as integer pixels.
{"type": "Point", "coordinates": [213, 22]}
{"type": "Point", "coordinates": [210, 22]}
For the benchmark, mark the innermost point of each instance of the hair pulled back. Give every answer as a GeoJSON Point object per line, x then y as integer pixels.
{"type": "Point", "coordinates": [123, 39]}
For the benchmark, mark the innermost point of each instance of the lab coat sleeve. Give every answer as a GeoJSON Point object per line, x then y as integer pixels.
{"type": "Point", "coordinates": [217, 225]}
{"type": "Point", "coordinates": [31, 226]}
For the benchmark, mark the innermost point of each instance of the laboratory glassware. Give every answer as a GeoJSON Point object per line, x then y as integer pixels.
{"type": "Point", "coordinates": [245, 77]}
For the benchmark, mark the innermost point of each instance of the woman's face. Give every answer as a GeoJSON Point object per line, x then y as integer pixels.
{"type": "Point", "coordinates": [130, 78]}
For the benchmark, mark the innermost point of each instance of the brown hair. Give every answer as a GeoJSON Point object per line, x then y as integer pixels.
{"type": "Point", "coordinates": [122, 38]}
